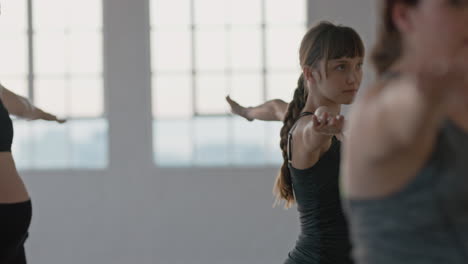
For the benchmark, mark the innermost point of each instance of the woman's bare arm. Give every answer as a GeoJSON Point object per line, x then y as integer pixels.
{"type": "Point", "coordinates": [272, 110]}
{"type": "Point", "coordinates": [321, 127]}
{"type": "Point", "coordinates": [21, 107]}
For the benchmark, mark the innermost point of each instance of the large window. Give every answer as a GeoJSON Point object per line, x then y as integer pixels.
{"type": "Point", "coordinates": [203, 50]}
{"type": "Point", "coordinates": [52, 53]}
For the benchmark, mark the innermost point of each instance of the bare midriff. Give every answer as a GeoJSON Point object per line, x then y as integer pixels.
{"type": "Point", "coordinates": [12, 188]}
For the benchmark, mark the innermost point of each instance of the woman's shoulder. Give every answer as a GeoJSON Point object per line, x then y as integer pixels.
{"type": "Point", "coordinates": [364, 104]}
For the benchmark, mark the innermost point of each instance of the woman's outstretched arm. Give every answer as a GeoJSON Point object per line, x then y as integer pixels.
{"type": "Point", "coordinates": [22, 108]}
{"type": "Point", "coordinates": [272, 110]}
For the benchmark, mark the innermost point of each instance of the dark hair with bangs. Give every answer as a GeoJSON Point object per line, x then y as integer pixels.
{"type": "Point", "coordinates": [327, 41]}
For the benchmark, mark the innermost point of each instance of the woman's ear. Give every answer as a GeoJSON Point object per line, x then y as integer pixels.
{"type": "Point", "coordinates": [402, 17]}
{"type": "Point", "coordinates": [316, 76]}
{"type": "Point", "coordinates": [311, 74]}
{"type": "Point", "coordinates": [307, 72]}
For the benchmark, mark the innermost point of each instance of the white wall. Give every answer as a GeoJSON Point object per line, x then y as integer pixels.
{"type": "Point", "coordinates": [136, 213]}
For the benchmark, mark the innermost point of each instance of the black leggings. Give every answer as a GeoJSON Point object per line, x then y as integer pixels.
{"type": "Point", "coordinates": [14, 224]}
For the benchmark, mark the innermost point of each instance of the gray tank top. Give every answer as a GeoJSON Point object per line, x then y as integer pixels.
{"type": "Point", "coordinates": [426, 221]}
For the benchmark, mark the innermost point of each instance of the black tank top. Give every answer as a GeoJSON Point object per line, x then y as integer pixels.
{"type": "Point", "coordinates": [324, 234]}
{"type": "Point", "coordinates": [6, 129]}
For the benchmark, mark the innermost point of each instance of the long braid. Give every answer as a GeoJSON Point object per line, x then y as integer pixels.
{"type": "Point", "coordinates": [283, 185]}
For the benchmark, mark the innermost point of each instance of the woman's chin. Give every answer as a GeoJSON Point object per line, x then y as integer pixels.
{"type": "Point", "coordinates": [348, 101]}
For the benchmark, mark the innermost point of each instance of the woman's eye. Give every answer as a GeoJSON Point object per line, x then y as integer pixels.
{"type": "Point", "coordinates": [359, 66]}
{"type": "Point", "coordinates": [341, 67]}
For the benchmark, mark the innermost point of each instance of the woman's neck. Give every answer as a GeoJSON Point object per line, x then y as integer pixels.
{"type": "Point", "coordinates": [315, 101]}
{"type": "Point", "coordinates": [401, 67]}
{"type": "Point", "coordinates": [406, 64]}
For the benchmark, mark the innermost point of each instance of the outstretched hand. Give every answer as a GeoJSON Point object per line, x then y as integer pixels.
{"type": "Point", "coordinates": [328, 124]}
{"type": "Point", "coordinates": [237, 109]}
{"type": "Point", "coordinates": [49, 117]}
